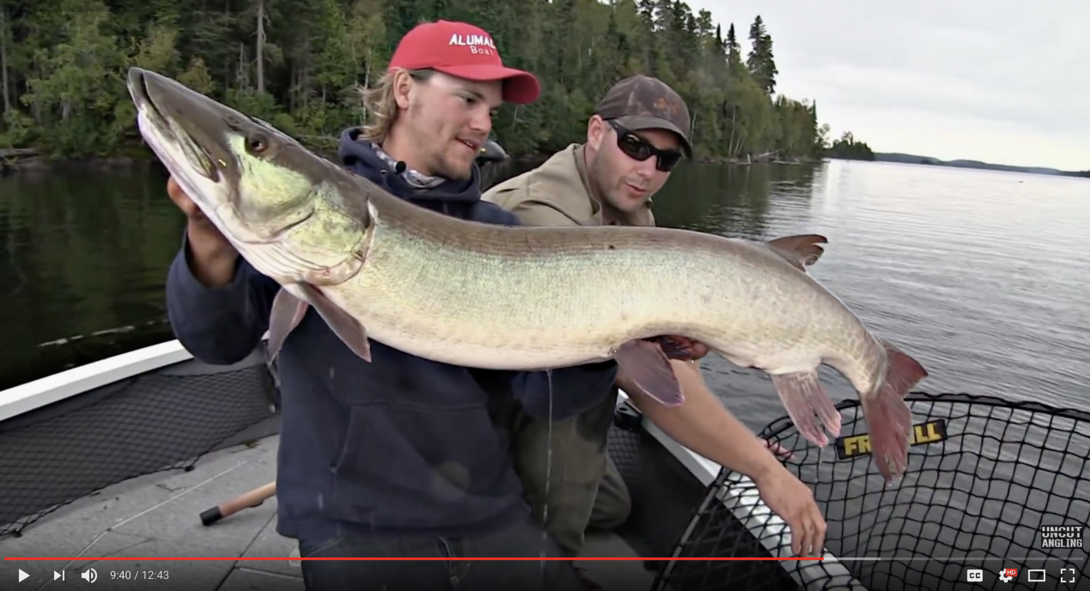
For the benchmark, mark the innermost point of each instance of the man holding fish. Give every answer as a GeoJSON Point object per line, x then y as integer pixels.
{"type": "Point", "coordinates": [396, 457]}
{"type": "Point", "coordinates": [381, 285]}
{"type": "Point", "coordinates": [636, 136]}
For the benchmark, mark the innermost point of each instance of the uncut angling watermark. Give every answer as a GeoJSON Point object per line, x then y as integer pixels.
{"type": "Point", "coordinates": [1061, 536]}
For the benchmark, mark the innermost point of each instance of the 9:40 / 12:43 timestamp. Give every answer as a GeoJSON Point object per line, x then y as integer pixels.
{"type": "Point", "coordinates": [139, 575]}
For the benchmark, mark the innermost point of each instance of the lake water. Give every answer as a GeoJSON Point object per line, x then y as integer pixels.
{"type": "Point", "coordinates": [979, 275]}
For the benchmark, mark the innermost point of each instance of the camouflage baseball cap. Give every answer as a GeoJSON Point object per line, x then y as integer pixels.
{"type": "Point", "coordinates": [643, 102]}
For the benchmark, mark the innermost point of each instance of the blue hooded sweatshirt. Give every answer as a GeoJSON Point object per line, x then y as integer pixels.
{"type": "Point", "coordinates": [398, 445]}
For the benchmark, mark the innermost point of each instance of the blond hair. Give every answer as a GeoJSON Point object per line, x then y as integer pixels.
{"type": "Point", "coordinates": [380, 107]}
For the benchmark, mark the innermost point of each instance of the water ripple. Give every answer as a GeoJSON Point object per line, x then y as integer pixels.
{"type": "Point", "coordinates": [980, 275]}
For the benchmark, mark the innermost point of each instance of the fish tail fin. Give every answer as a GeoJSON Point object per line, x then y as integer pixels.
{"type": "Point", "coordinates": [888, 416]}
{"type": "Point", "coordinates": [808, 405]}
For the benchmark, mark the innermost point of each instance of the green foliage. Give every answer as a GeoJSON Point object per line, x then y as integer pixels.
{"type": "Point", "coordinates": [847, 148]}
{"type": "Point", "coordinates": [297, 66]}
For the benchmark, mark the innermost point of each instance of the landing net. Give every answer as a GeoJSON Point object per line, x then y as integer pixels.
{"type": "Point", "coordinates": [991, 484]}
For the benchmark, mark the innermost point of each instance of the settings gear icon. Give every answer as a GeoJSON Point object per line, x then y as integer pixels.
{"type": "Point", "coordinates": [1006, 575]}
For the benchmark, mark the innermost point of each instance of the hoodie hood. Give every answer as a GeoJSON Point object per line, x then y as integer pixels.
{"type": "Point", "coordinates": [360, 157]}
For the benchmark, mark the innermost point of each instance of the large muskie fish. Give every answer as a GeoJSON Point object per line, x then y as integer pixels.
{"type": "Point", "coordinates": [518, 298]}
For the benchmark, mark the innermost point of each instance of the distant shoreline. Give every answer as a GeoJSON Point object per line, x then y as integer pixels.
{"type": "Point", "coordinates": [974, 164]}
{"type": "Point", "coordinates": [29, 161]}
{"type": "Point", "coordinates": [29, 164]}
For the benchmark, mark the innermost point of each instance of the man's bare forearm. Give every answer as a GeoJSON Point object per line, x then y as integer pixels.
{"type": "Point", "coordinates": [703, 425]}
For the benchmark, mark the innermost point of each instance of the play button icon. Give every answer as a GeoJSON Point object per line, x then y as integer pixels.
{"type": "Point", "coordinates": [22, 576]}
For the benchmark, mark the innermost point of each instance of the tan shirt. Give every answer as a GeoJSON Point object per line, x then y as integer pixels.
{"type": "Point", "coordinates": [557, 193]}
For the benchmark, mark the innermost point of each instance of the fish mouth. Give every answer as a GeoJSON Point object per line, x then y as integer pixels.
{"type": "Point", "coordinates": [254, 199]}
{"type": "Point", "coordinates": [173, 114]}
{"type": "Point", "coordinates": [138, 90]}
{"type": "Point", "coordinates": [189, 132]}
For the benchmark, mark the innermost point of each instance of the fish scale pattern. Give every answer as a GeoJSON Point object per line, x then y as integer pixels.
{"type": "Point", "coordinates": [57, 454]}
{"type": "Point", "coordinates": [991, 484]}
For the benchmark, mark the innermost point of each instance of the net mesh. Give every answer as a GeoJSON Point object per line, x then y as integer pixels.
{"type": "Point", "coordinates": [156, 421]}
{"type": "Point", "coordinates": [985, 477]}
{"type": "Point", "coordinates": [662, 506]}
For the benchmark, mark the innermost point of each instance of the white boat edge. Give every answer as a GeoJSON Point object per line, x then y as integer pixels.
{"type": "Point", "coordinates": [739, 494]}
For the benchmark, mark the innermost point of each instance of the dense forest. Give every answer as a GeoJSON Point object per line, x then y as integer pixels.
{"type": "Point", "coordinates": [298, 65]}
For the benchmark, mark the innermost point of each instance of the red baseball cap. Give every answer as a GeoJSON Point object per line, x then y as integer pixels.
{"type": "Point", "coordinates": [465, 51]}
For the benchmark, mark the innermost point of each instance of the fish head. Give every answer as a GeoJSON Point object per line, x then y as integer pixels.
{"type": "Point", "coordinates": [289, 212]}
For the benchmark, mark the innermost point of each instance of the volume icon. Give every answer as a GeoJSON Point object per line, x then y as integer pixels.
{"type": "Point", "coordinates": [89, 575]}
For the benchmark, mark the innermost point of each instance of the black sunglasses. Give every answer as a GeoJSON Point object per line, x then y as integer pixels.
{"type": "Point", "coordinates": [640, 149]}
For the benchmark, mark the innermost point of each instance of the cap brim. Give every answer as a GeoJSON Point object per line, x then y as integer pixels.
{"type": "Point", "coordinates": [638, 123]}
{"type": "Point", "coordinates": [519, 87]}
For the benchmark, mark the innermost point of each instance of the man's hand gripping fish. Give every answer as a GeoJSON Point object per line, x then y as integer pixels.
{"type": "Point", "coordinates": [519, 298]}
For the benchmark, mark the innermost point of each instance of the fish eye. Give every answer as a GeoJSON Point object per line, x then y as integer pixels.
{"type": "Point", "coordinates": [257, 143]}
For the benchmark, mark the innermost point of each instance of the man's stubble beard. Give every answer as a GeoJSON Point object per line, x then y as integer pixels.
{"type": "Point", "coordinates": [454, 172]}
{"type": "Point", "coordinates": [605, 196]}
{"type": "Point", "coordinates": [442, 164]}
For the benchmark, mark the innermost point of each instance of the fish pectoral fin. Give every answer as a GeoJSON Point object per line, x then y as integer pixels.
{"type": "Point", "coordinates": [287, 312]}
{"type": "Point", "coordinates": [649, 369]}
{"type": "Point", "coordinates": [347, 328]}
{"type": "Point", "coordinates": [801, 251]}
{"type": "Point", "coordinates": [807, 403]}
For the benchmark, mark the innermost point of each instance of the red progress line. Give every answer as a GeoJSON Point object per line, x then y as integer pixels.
{"type": "Point", "coordinates": [626, 558]}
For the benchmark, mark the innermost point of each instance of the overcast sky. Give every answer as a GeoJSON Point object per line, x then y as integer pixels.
{"type": "Point", "coordinates": [1001, 81]}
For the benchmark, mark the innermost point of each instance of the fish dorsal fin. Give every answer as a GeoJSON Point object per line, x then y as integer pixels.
{"type": "Point", "coordinates": [801, 251]}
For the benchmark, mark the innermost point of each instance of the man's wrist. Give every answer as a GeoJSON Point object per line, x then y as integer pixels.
{"type": "Point", "coordinates": [767, 467]}
{"type": "Point", "coordinates": [212, 260]}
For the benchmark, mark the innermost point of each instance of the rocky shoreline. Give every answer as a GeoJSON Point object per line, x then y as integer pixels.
{"type": "Point", "coordinates": [28, 160]}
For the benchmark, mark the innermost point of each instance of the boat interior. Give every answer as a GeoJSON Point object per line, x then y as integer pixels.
{"type": "Point", "coordinates": [107, 470]}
